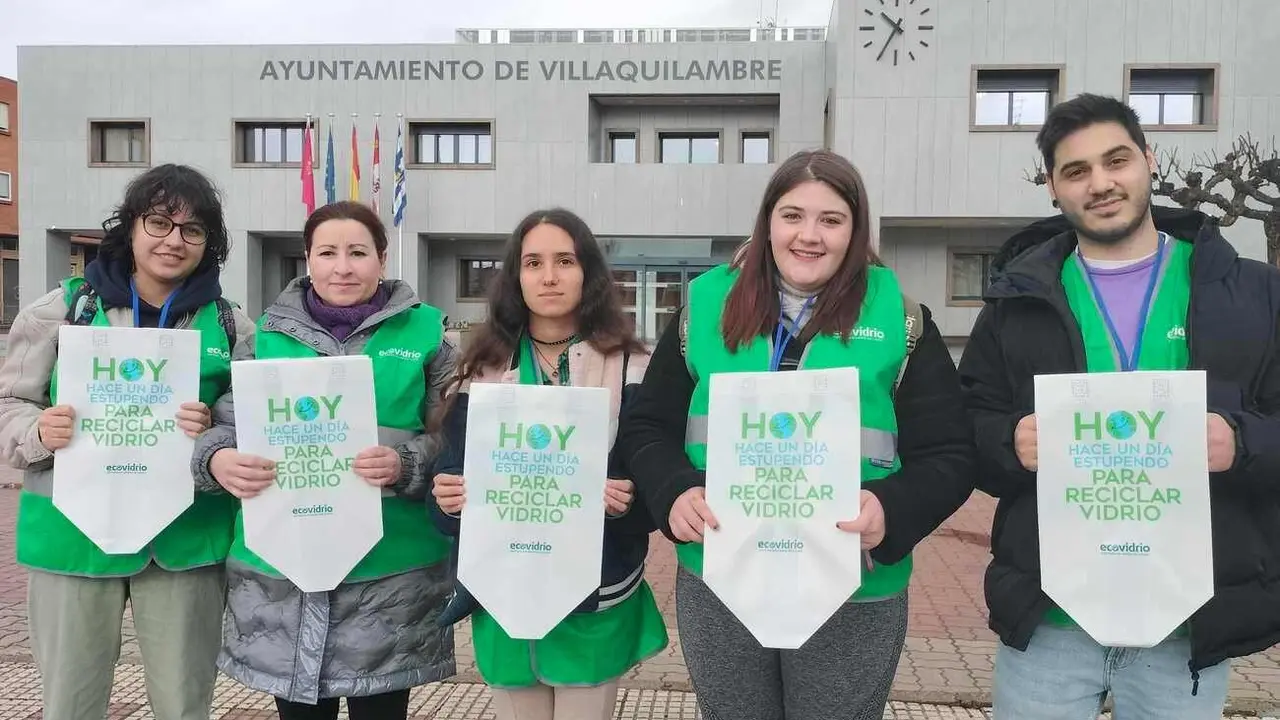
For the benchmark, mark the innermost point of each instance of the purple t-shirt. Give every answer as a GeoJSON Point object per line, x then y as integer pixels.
{"type": "Point", "coordinates": [1122, 289]}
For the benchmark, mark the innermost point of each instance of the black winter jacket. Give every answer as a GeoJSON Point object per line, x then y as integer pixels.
{"type": "Point", "coordinates": [1026, 329]}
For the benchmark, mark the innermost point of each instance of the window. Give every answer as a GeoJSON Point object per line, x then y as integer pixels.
{"type": "Point", "coordinates": [113, 142]}
{"type": "Point", "coordinates": [1016, 97]}
{"type": "Point", "coordinates": [6, 187]}
{"type": "Point", "coordinates": [970, 271]}
{"type": "Point", "coordinates": [1172, 96]}
{"type": "Point", "coordinates": [474, 277]}
{"type": "Point", "coordinates": [270, 143]}
{"type": "Point", "coordinates": [597, 36]}
{"type": "Point", "coordinates": [4, 117]}
{"type": "Point", "coordinates": [622, 147]}
{"type": "Point", "coordinates": [458, 144]}
{"type": "Point", "coordinates": [681, 148]}
{"type": "Point", "coordinates": [292, 267]}
{"type": "Point", "coordinates": [9, 304]}
{"type": "Point", "coordinates": [755, 148]}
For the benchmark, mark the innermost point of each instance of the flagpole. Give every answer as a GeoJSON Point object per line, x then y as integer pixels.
{"type": "Point", "coordinates": [309, 135]}
{"type": "Point", "coordinates": [353, 185]}
{"type": "Point", "coordinates": [375, 179]}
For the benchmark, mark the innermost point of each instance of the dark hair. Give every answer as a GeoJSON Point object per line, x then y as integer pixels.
{"type": "Point", "coordinates": [752, 307]}
{"type": "Point", "coordinates": [1080, 112]}
{"type": "Point", "coordinates": [601, 321]}
{"type": "Point", "coordinates": [347, 210]}
{"type": "Point", "coordinates": [171, 188]}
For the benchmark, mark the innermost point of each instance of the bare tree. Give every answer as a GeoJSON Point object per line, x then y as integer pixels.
{"type": "Point", "coordinates": [1243, 184]}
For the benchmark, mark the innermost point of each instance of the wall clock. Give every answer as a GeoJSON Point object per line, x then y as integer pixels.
{"type": "Point", "coordinates": [897, 29]}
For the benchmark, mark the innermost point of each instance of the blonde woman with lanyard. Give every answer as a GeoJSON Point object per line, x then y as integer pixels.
{"type": "Point", "coordinates": [555, 319]}
{"type": "Point", "coordinates": [807, 292]}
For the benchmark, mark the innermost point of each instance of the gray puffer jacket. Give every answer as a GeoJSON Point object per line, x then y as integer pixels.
{"type": "Point", "coordinates": [359, 639]}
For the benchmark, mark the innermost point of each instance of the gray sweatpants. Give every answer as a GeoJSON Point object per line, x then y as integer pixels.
{"type": "Point", "coordinates": [842, 673]}
{"type": "Point", "coordinates": [75, 638]}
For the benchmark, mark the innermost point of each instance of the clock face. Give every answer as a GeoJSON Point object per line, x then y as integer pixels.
{"type": "Point", "coordinates": [896, 29]}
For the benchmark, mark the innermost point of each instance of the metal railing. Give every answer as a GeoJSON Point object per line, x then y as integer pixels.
{"type": "Point", "coordinates": [632, 35]}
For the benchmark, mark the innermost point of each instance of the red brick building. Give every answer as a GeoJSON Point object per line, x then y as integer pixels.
{"type": "Point", "coordinates": [8, 202]}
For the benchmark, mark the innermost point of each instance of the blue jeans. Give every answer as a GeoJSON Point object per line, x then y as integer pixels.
{"type": "Point", "coordinates": [1065, 675]}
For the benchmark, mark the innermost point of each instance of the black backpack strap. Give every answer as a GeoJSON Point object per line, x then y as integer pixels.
{"type": "Point", "coordinates": [83, 305]}
{"type": "Point", "coordinates": [227, 319]}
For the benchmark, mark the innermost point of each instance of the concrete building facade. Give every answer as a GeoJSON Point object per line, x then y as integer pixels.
{"type": "Point", "coordinates": [662, 139]}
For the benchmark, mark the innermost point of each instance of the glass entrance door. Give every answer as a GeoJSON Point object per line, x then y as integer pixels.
{"type": "Point", "coordinates": [651, 295]}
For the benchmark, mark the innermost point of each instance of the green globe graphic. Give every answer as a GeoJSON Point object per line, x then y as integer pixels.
{"type": "Point", "coordinates": [782, 425]}
{"type": "Point", "coordinates": [539, 436]}
{"type": "Point", "coordinates": [1121, 425]}
{"type": "Point", "coordinates": [306, 408]}
{"type": "Point", "coordinates": [131, 369]}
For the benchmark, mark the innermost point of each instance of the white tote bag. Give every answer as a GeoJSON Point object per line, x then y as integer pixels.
{"type": "Point", "coordinates": [783, 466]}
{"type": "Point", "coordinates": [312, 416]}
{"type": "Point", "coordinates": [1126, 547]}
{"type": "Point", "coordinates": [532, 531]}
{"type": "Point", "coordinates": [126, 475]}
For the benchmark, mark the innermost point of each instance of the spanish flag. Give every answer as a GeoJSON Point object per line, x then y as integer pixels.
{"type": "Point", "coordinates": [355, 164]}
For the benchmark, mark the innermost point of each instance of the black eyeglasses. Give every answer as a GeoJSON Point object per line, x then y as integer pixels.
{"type": "Point", "coordinates": [159, 226]}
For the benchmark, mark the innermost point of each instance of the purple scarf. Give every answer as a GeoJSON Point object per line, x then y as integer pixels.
{"type": "Point", "coordinates": [342, 321]}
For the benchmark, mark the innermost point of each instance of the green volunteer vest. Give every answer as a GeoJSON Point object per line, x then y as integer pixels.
{"type": "Point", "coordinates": [877, 347]}
{"type": "Point", "coordinates": [401, 348]}
{"type": "Point", "coordinates": [1164, 337]}
{"type": "Point", "coordinates": [200, 536]}
{"type": "Point", "coordinates": [584, 648]}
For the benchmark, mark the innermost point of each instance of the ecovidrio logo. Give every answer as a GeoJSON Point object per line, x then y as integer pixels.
{"type": "Point", "coordinates": [402, 353]}
{"type": "Point", "coordinates": [1124, 548]}
{"type": "Point", "coordinates": [133, 468]}
{"type": "Point", "coordinates": [540, 547]}
{"type": "Point", "coordinates": [783, 545]}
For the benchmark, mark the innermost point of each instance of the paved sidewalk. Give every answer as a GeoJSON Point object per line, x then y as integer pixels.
{"type": "Point", "coordinates": [947, 660]}
{"type": "Point", "coordinates": [20, 700]}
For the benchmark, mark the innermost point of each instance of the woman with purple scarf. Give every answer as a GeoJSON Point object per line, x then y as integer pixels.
{"type": "Point", "coordinates": [375, 636]}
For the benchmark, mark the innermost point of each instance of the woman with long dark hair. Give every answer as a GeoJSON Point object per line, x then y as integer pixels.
{"type": "Point", "coordinates": [158, 265]}
{"type": "Point", "coordinates": [555, 319]}
{"type": "Point", "coordinates": [806, 292]}
{"type": "Point", "coordinates": [374, 637]}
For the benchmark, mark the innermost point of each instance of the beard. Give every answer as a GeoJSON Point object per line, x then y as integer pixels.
{"type": "Point", "coordinates": [1110, 236]}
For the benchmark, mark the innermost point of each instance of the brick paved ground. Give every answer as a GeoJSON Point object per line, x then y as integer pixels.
{"type": "Point", "coordinates": [947, 661]}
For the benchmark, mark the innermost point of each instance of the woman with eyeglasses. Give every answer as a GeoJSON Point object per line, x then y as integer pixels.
{"type": "Point", "coordinates": [157, 267]}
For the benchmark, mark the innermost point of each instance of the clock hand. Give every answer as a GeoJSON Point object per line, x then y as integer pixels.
{"type": "Point", "coordinates": [886, 45]}
{"type": "Point", "coordinates": [897, 25]}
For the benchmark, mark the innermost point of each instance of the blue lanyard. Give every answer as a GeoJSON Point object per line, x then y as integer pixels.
{"type": "Point", "coordinates": [1129, 362]}
{"type": "Point", "coordinates": [137, 307]}
{"type": "Point", "coordinates": [783, 333]}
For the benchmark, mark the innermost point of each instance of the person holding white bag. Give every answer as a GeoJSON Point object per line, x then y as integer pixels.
{"type": "Point", "coordinates": [555, 318]}
{"type": "Point", "coordinates": [806, 292]}
{"type": "Point", "coordinates": [158, 267]}
{"type": "Point", "coordinates": [1115, 284]}
{"type": "Point", "coordinates": [374, 637]}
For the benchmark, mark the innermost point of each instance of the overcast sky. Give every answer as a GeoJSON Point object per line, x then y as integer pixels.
{"type": "Point", "coordinates": [173, 22]}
